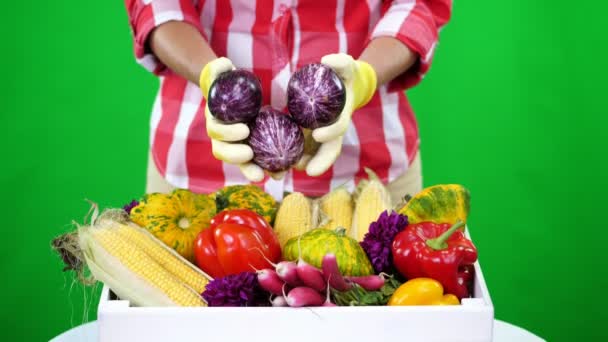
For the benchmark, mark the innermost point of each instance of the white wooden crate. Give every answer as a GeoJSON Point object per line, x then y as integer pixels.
{"type": "Point", "coordinates": [470, 322]}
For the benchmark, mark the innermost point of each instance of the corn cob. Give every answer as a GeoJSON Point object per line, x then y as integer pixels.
{"type": "Point", "coordinates": [338, 207]}
{"type": "Point", "coordinates": [372, 198]}
{"type": "Point", "coordinates": [135, 265]}
{"type": "Point", "coordinates": [131, 272]}
{"type": "Point", "coordinates": [167, 258]}
{"type": "Point", "coordinates": [295, 217]}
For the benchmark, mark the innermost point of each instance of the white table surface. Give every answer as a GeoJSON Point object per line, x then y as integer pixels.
{"type": "Point", "coordinates": [503, 332]}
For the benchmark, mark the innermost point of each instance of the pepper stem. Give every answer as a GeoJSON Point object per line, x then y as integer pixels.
{"type": "Point", "coordinates": [440, 242]}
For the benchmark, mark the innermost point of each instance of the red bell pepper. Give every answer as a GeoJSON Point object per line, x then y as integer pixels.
{"type": "Point", "coordinates": [436, 251]}
{"type": "Point", "coordinates": [236, 241]}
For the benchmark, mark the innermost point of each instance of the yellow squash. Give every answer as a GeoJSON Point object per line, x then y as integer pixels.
{"type": "Point", "coordinates": [250, 197]}
{"type": "Point", "coordinates": [447, 203]}
{"type": "Point", "coordinates": [176, 218]}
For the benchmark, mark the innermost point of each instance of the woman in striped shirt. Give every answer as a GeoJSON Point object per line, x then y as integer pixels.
{"type": "Point", "coordinates": [391, 42]}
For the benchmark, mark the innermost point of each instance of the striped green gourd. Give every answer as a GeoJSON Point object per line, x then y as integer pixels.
{"type": "Point", "coordinates": [314, 244]}
{"type": "Point", "coordinates": [250, 197]}
{"type": "Point", "coordinates": [443, 203]}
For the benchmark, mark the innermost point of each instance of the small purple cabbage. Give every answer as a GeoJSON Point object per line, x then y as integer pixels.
{"type": "Point", "coordinates": [128, 207]}
{"type": "Point", "coordinates": [315, 96]}
{"type": "Point", "coordinates": [276, 140]}
{"type": "Point", "coordinates": [378, 240]}
{"type": "Point", "coordinates": [240, 289]}
{"type": "Point", "coordinates": [235, 96]}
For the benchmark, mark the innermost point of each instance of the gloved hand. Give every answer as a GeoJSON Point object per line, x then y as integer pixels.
{"type": "Point", "coordinates": [359, 79]}
{"type": "Point", "coordinates": [224, 136]}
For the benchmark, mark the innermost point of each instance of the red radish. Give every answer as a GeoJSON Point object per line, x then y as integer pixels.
{"type": "Point", "coordinates": [287, 271]}
{"type": "Point", "coordinates": [310, 275]}
{"type": "Point", "coordinates": [369, 283]}
{"type": "Point", "coordinates": [332, 274]}
{"type": "Point", "coordinates": [279, 301]}
{"type": "Point", "coordinates": [270, 281]}
{"type": "Point", "coordinates": [327, 300]}
{"type": "Point", "coordinates": [304, 296]}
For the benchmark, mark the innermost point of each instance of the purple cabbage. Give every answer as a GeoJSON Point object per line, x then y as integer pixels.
{"type": "Point", "coordinates": [378, 240]}
{"type": "Point", "coordinates": [235, 96]}
{"type": "Point", "coordinates": [315, 96]}
{"type": "Point", "coordinates": [276, 140]}
{"type": "Point", "coordinates": [240, 289]}
{"type": "Point", "coordinates": [128, 207]}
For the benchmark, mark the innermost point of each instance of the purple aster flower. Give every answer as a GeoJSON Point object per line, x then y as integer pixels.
{"type": "Point", "coordinates": [240, 289]}
{"type": "Point", "coordinates": [130, 206]}
{"type": "Point", "coordinates": [378, 240]}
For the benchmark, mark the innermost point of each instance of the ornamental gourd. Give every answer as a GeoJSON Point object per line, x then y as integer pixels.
{"type": "Point", "coordinates": [176, 218]}
{"type": "Point", "coordinates": [447, 203]}
{"type": "Point", "coordinates": [249, 197]}
{"type": "Point", "coordinates": [314, 244]}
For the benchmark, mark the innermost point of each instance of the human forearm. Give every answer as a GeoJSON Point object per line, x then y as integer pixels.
{"type": "Point", "coordinates": [388, 57]}
{"type": "Point", "coordinates": [182, 48]}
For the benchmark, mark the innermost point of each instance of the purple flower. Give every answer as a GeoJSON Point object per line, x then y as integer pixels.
{"type": "Point", "coordinates": [378, 240]}
{"type": "Point", "coordinates": [130, 206]}
{"type": "Point", "coordinates": [240, 289]}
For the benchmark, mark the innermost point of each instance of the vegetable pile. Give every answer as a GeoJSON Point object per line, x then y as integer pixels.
{"type": "Point", "coordinates": [238, 247]}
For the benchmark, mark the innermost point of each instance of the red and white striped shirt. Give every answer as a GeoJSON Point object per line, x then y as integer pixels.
{"type": "Point", "coordinates": [273, 39]}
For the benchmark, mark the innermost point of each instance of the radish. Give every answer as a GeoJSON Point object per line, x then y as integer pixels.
{"type": "Point", "coordinates": [369, 283]}
{"type": "Point", "coordinates": [304, 296]}
{"type": "Point", "coordinates": [327, 300]}
{"type": "Point", "coordinates": [279, 301]}
{"type": "Point", "coordinates": [332, 274]}
{"type": "Point", "coordinates": [270, 281]}
{"type": "Point", "coordinates": [310, 275]}
{"type": "Point", "coordinates": [287, 271]}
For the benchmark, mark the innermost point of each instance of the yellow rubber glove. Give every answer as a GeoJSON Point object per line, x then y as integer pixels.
{"type": "Point", "coordinates": [223, 136]}
{"type": "Point", "coordinates": [360, 81]}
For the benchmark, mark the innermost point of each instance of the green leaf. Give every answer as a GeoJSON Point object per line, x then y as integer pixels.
{"type": "Point", "coordinates": [357, 296]}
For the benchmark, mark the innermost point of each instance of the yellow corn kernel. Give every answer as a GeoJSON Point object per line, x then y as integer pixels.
{"type": "Point", "coordinates": [371, 200]}
{"type": "Point", "coordinates": [143, 266]}
{"type": "Point", "coordinates": [168, 259]}
{"type": "Point", "coordinates": [294, 217]}
{"type": "Point", "coordinates": [338, 207]}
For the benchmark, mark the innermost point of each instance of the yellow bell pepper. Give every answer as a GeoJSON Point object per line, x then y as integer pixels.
{"type": "Point", "coordinates": [422, 291]}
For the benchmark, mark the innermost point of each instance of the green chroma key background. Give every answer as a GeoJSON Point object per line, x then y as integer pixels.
{"type": "Point", "coordinates": [513, 108]}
